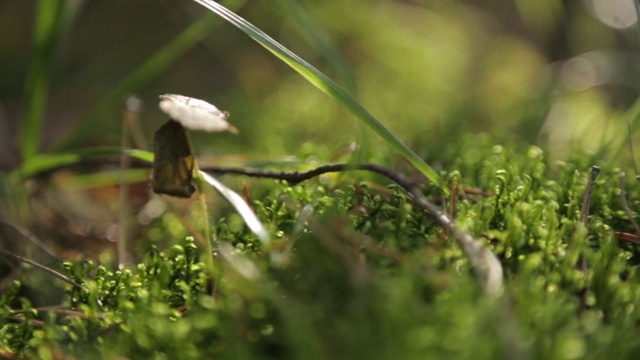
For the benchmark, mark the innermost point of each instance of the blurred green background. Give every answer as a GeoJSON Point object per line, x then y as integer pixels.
{"type": "Point", "coordinates": [555, 73]}
{"type": "Point", "coordinates": [559, 74]}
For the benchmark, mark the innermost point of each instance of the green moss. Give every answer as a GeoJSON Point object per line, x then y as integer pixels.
{"type": "Point", "coordinates": [362, 272]}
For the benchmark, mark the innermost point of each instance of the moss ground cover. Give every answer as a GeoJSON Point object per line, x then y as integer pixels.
{"type": "Point", "coordinates": [345, 264]}
{"type": "Point", "coordinates": [361, 272]}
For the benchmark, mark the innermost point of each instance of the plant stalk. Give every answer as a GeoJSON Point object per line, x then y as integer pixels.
{"type": "Point", "coordinates": [203, 206]}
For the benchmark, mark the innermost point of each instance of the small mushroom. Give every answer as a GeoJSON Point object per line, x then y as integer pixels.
{"type": "Point", "coordinates": [195, 114]}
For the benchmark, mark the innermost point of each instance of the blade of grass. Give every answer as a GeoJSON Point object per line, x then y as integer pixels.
{"type": "Point", "coordinates": [320, 40]}
{"type": "Point", "coordinates": [40, 267]}
{"type": "Point", "coordinates": [619, 143]}
{"type": "Point", "coordinates": [151, 69]}
{"type": "Point", "coordinates": [94, 179]}
{"type": "Point", "coordinates": [52, 18]}
{"type": "Point", "coordinates": [631, 116]}
{"type": "Point", "coordinates": [44, 162]}
{"type": "Point", "coordinates": [241, 207]}
{"type": "Point", "coordinates": [327, 86]}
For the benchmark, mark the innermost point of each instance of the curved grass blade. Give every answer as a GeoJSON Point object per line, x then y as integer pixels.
{"type": "Point", "coordinates": [320, 40]}
{"type": "Point", "coordinates": [53, 19]}
{"type": "Point", "coordinates": [149, 70]}
{"type": "Point", "coordinates": [44, 162]}
{"type": "Point", "coordinates": [327, 86]}
{"type": "Point", "coordinates": [632, 118]}
{"type": "Point", "coordinates": [241, 207]}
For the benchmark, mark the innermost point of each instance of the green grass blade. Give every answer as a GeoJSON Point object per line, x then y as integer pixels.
{"type": "Point", "coordinates": [151, 69]}
{"type": "Point", "coordinates": [327, 86]}
{"type": "Point", "coordinates": [47, 30]}
{"type": "Point", "coordinates": [621, 143]}
{"type": "Point", "coordinates": [241, 207]}
{"type": "Point", "coordinates": [45, 162]}
{"type": "Point", "coordinates": [320, 40]}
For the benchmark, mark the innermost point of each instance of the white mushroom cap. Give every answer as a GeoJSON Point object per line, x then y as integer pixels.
{"type": "Point", "coordinates": [195, 114]}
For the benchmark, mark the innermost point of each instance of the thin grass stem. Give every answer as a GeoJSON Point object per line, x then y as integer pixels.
{"type": "Point", "coordinates": [203, 206]}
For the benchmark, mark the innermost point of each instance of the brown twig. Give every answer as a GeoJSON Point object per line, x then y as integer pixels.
{"type": "Point", "coordinates": [584, 212]}
{"type": "Point", "coordinates": [246, 195]}
{"type": "Point", "coordinates": [41, 267]}
{"type": "Point", "coordinates": [632, 238]}
{"type": "Point", "coordinates": [295, 177]}
{"type": "Point", "coordinates": [29, 236]}
{"type": "Point", "coordinates": [483, 262]}
{"type": "Point", "coordinates": [584, 218]}
{"type": "Point", "coordinates": [625, 205]}
{"type": "Point", "coordinates": [633, 157]}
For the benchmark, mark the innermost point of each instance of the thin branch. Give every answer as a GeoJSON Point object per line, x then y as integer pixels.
{"type": "Point", "coordinates": [625, 205]}
{"type": "Point", "coordinates": [48, 271]}
{"type": "Point", "coordinates": [586, 204]}
{"type": "Point", "coordinates": [295, 177]}
{"type": "Point", "coordinates": [484, 263]}
{"type": "Point", "coordinates": [129, 116]}
{"type": "Point", "coordinates": [584, 218]}
{"type": "Point", "coordinates": [41, 267]}
{"type": "Point", "coordinates": [632, 238]}
{"type": "Point", "coordinates": [29, 236]}
{"type": "Point", "coordinates": [633, 157]}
